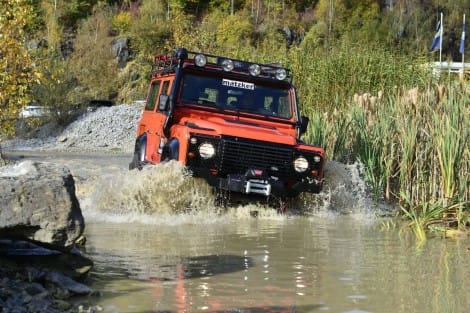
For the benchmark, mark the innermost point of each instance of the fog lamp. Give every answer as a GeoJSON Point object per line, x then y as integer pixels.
{"type": "Point", "coordinates": [193, 140]}
{"type": "Point", "coordinates": [316, 159]}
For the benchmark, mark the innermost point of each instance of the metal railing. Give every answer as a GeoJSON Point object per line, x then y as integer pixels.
{"type": "Point", "coordinates": [450, 67]}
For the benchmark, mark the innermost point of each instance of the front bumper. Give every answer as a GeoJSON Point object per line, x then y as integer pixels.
{"type": "Point", "coordinates": [253, 182]}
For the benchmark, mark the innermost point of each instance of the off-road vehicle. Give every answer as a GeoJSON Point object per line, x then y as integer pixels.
{"type": "Point", "coordinates": [235, 123]}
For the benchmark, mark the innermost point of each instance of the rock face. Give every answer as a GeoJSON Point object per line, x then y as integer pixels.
{"type": "Point", "coordinates": [120, 47]}
{"type": "Point", "coordinates": [38, 202]}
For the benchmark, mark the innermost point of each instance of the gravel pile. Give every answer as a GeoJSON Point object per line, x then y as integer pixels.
{"type": "Point", "coordinates": [106, 129]}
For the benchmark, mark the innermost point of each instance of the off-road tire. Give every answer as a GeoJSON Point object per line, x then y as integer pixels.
{"type": "Point", "coordinates": [138, 160]}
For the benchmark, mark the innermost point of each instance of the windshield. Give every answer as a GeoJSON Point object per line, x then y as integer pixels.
{"type": "Point", "coordinates": [230, 94]}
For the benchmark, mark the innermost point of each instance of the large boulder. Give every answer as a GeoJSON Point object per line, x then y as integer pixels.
{"type": "Point", "coordinates": [38, 202]}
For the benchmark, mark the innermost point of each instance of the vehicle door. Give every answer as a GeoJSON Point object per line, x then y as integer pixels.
{"type": "Point", "coordinates": [153, 120]}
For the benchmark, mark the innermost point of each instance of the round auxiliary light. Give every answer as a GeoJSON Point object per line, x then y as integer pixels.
{"type": "Point", "coordinates": [227, 65]}
{"type": "Point", "coordinates": [200, 60]}
{"type": "Point", "coordinates": [281, 74]}
{"type": "Point", "coordinates": [193, 140]}
{"type": "Point", "coordinates": [206, 150]}
{"type": "Point", "coordinates": [300, 164]}
{"type": "Point", "coordinates": [316, 159]}
{"type": "Point", "coordinates": [254, 69]}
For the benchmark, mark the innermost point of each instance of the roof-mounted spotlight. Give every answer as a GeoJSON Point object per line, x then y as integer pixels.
{"type": "Point", "coordinates": [200, 60]}
{"type": "Point", "coordinates": [227, 65]}
{"type": "Point", "coordinates": [254, 69]}
{"type": "Point", "coordinates": [281, 73]}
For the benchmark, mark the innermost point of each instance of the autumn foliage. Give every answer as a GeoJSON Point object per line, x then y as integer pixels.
{"type": "Point", "coordinates": [18, 70]}
{"type": "Point", "coordinates": [335, 47]}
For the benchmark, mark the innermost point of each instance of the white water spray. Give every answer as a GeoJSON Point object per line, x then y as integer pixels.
{"type": "Point", "coordinates": [166, 193]}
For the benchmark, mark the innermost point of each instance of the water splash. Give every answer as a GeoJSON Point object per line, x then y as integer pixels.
{"type": "Point", "coordinates": [344, 192]}
{"type": "Point", "coordinates": [166, 189]}
{"type": "Point", "coordinates": [166, 193]}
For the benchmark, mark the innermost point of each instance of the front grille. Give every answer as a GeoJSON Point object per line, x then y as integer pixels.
{"type": "Point", "coordinates": [238, 155]}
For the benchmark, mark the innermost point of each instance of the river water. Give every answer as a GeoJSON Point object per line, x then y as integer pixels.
{"type": "Point", "coordinates": [159, 245]}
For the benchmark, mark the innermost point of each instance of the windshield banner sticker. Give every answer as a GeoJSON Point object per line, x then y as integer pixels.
{"type": "Point", "coordinates": [237, 84]}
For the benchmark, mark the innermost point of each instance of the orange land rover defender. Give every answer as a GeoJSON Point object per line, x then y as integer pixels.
{"type": "Point", "coordinates": [234, 123]}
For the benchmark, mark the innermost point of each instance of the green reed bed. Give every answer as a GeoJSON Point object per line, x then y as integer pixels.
{"type": "Point", "coordinates": [415, 150]}
{"type": "Point", "coordinates": [411, 134]}
{"type": "Point", "coordinates": [433, 159]}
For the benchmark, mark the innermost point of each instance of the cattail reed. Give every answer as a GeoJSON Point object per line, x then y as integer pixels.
{"type": "Point", "coordinates": [413, 140]}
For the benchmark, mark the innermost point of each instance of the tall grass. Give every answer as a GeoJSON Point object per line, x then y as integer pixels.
{"type": "Point", "coordinates": [328, 77]}
{"type": "Point", "coordinates": [413, 142]}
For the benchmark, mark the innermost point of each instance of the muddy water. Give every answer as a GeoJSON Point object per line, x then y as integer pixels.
{"type": "Point", "coordinates": [159, 245]}
{"type": "Point", "coordinates": [295, 264]}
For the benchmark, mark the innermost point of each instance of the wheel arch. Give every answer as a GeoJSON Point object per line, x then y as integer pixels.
{"type": "Point", "coordinates": [140, 142]}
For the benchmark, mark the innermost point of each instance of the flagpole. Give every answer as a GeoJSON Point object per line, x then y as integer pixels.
{"type": "Point", "coordinates": [463, 51]}
{"type": "Point", "coordinates": [440, 42]}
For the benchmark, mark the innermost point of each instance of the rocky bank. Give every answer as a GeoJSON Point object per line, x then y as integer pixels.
{"type": "Point", "coordinates": [41, 224]}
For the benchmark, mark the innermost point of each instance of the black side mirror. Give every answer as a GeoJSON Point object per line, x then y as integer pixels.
{"type": "Point", "coordinates": [163, 102]}
{"type": "Point", "coordinates": [303, 124]}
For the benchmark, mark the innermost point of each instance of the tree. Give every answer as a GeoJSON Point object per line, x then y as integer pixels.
{"type": "Point", "coordinates": [233, 36]}
{"type": "Point", "coordinates": [18, 69]}
{"type": "Point", "coordinates": [93, 63]}
{"type": "Point", "coordinates": [150, 31]}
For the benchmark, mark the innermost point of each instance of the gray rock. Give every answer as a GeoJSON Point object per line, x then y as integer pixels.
{"type": "Point", "coordinates": [38, 202]}
{"type": "Point", "coordinates": [120, 48]}
{"type": "Point", "coordinates": [61, 305]}
{"type": "Point", "coordinates": [67, 283]}
{"type": "Point", "coordinates": [35, 289]}
{"type": "Point", "coordinates": [39, 260]}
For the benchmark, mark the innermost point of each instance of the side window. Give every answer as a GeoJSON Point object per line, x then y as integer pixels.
{"type": "Point", "coordinates": [152, 96]}
{"type": "Point", "coordinates": [166, 84]}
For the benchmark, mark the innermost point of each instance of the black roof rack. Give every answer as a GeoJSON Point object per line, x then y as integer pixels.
{"type": "Point", "coordinates": [168, 62]}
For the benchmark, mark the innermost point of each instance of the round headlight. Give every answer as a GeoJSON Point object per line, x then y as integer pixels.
{"type": "Point", "coordinates": [206, 150]}
{"type": "Point", "coordinates": [254, 69]}
{"type": "Point", "coordinates": [281, 74]}
{"type": "Point", "coordinates": [227, 65]}
{"type": "Point", "coordinates": [200, 60]}
{"type": "Point", "coordinates": [300, 164]}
